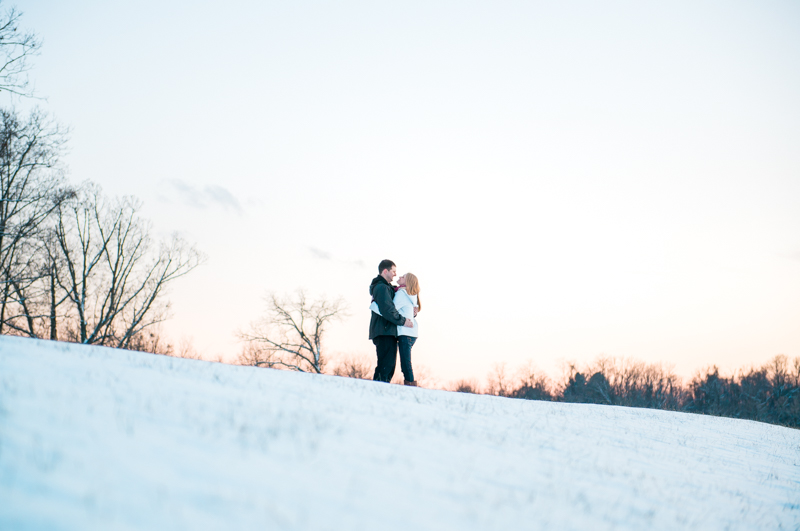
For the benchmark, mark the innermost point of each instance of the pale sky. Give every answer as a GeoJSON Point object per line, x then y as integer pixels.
{"type": "Point", "coordinates": [566, 179]}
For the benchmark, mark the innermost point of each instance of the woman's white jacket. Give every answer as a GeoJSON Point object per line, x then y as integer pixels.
{"type": "Point", "coordinates": [405, 305]}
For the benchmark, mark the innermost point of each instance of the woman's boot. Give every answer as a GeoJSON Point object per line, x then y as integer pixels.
{"type": "Point", "coordinates": [412, 384]}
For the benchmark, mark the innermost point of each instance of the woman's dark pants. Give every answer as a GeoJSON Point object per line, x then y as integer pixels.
{"type": "Point", "coordinates": [404, 344]}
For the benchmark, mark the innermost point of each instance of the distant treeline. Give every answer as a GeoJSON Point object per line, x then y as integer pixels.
{"type": "Point", "coordinates": [770, 393]}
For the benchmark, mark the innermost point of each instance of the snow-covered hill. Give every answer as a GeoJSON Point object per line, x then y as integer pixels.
{"type": "Point", "coordinates": [94, 438]}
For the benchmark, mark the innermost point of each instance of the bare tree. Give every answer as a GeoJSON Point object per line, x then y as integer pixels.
{"type": "Point", "coordinates": [111, 276]}
{"type": "Point", "coordinates": [499, 383]}
{"type": "Point", "coordinates": [532, 384]}
{"type": "Point", "coordinates": [466, 386]}
{"type": "Point", "coordinates": [291, 334]}
{"type": "Point", "coordinates": [16, 49]}
{"type": "Point", "coordinates": [187, 350]}
{"type": "Point", "coordinates": [31, 189]}
{"type": "Point", "coordinates": [151, 341]}
{"type": "Point", "coordinates": [70, 260]}
{"type": "Point", "coordinates": [359, 367]}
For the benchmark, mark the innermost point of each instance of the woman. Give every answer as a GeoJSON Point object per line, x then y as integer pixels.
{"type": "Point", "coordinates": [406, 299]}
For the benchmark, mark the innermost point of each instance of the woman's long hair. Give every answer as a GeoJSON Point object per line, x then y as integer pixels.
{"type": "Point", "coordinates": [412, 287]}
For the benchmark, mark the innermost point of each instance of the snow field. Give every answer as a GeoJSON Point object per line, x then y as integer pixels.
{"type": "Point", "coordinates": [96, 438]}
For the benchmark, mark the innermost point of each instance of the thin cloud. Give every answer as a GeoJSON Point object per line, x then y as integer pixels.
{"type": "Point", "coordinates": [325, 255]}
{"type": "Point", "coordinates": [211, 195]}
{"type": "Point", "coordinates": [319, 253]}
{"type": "Point", "coordinates": [188, 194]}
{"type": "Point", "coordinates": [223, 197]}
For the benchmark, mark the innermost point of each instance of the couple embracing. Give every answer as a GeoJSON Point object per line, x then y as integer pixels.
{"type": "Point", "coordinates": [393, 323]}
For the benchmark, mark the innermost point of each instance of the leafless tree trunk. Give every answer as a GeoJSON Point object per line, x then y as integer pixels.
{"type": "Point", "coordinates": [52, 285]}
{"type": "Point", "coordinates": [291, 334]}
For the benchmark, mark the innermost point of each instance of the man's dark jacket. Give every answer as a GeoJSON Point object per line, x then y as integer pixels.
{"type": "Point", "coordinates": [387, 322]}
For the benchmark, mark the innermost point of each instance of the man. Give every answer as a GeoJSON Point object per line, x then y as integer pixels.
{"type": "Point", "coordinates": [383, 327]}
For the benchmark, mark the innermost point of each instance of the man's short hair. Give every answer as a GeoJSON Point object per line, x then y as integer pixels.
{"type": "Point", "coordinates": [385, 264]}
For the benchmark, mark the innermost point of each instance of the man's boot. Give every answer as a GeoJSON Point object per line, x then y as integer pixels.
{"type": "Point", "coordinates": [412, 384]}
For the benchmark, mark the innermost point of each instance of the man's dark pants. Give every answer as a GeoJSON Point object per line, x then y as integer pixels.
{"type": "Point", "coordinates": [386, 347]}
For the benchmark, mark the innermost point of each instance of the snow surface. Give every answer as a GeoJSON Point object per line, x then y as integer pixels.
{"type": "Point", "coordinates": [95, 438]}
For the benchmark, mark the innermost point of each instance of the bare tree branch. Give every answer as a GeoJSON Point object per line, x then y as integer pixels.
{"type": "Point", "coordinates": [17, 47]}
